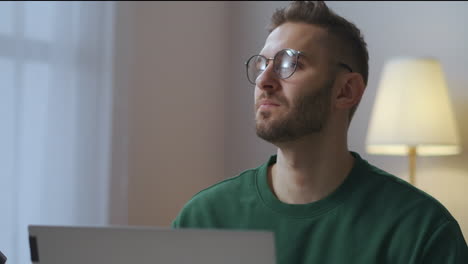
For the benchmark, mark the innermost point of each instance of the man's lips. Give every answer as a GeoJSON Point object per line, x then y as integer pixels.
{"type": "Point", "coordinates": [265, 104]}
{"type": "Point", "coordinates": [268, 103]}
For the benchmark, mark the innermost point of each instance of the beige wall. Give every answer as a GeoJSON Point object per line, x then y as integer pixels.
{"type": "Point", "coordinates": [191, 126]}
{"type": "Point", "coordinates": [175, 96]}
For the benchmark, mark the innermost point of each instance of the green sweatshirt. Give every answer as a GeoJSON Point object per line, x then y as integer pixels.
{"type": "Point", "coordinates": [372, 217]}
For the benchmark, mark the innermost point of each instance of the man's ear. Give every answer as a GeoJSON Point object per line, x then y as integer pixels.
{"type": "Point", "coordinates": [350, 92]}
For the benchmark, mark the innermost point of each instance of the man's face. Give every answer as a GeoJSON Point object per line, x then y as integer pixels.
{"type": "Point", "coordinates": [289, 109]}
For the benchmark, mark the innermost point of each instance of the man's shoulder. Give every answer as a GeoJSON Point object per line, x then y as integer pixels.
{"type": "Point", "coordinates": [218, 200]}
{"type": "Point", "coordinates": [226, 189]}
{"type": "Point", "coordinates": [419, 223]}
{"type": "Point", "coordinates": [395, 194]}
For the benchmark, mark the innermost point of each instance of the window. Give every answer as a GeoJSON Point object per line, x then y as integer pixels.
{"type": "Point", "coordinates": [55, 114]}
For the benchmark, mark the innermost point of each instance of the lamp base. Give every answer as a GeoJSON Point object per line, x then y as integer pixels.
{"type": "Point", "coordinates": [412, 164]}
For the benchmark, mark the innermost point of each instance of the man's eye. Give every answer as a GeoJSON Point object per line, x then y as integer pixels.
{"type": "Point", "coordinates": [288, 65]}
{"type": "Point", "coordinates": [297, 65]}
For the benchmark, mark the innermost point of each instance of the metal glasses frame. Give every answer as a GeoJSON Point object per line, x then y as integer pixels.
{"type": "Point", "coordinates": [296, 54]}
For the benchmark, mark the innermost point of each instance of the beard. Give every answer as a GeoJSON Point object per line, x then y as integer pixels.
{"type": "Point", "coordinates": [308, 114]}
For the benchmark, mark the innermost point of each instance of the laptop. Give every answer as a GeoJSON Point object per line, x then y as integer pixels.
{"type": "Point", "coordinates": [3, 259]}
{"type": "Point", "coordinates": [145, 245]}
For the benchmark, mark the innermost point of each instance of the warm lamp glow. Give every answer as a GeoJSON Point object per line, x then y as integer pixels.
{"type": "Point", "coordinates": [423, 150]}
{"type": "Point", "coordinates": [413, 110]}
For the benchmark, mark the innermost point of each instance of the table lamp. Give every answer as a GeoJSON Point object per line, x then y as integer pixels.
{"type": "Point", "coordinates": [412, 114]}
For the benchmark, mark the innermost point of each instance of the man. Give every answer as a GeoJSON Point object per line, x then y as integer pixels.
{"type": "Point", "coordinates": [324, 203]}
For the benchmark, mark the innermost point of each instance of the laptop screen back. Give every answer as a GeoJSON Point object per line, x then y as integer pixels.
{"type": "Point", "coordinates": [145, 245]}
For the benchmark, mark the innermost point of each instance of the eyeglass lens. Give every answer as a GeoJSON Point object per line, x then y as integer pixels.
{"type": "Point", "coordinates": [284, 64]}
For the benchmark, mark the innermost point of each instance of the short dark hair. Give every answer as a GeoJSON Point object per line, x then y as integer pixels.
{"type": "Point", "coordinates": [347, 40]}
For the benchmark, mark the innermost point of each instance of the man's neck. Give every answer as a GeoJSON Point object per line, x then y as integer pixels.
{"type": "Point", "coordinates": [308, 170]}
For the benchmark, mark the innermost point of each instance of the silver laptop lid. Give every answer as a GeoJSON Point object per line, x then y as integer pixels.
{"type": "Point", "coordinates": [145, 245]}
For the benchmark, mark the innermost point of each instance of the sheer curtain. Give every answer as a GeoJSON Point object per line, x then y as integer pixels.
{"type": "Point", "coordinates": [55, 117]}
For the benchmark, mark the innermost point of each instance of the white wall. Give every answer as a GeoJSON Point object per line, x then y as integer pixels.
{"type": "Point", "coordinates": [190, 126]}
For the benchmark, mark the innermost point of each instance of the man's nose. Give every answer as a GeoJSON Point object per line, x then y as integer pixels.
{"type": "Point", "coordinates": [268, 80]}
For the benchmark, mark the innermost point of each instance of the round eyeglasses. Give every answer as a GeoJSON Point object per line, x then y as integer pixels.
{"type": "Point", "coordinates": [284, 64]}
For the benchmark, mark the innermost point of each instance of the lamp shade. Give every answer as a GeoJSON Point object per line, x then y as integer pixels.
{"type": "Point", "coordinates": [412, 109]}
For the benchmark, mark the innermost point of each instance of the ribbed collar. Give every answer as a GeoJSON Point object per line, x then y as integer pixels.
{"type": "Point", "coordinates": [322, 206]}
